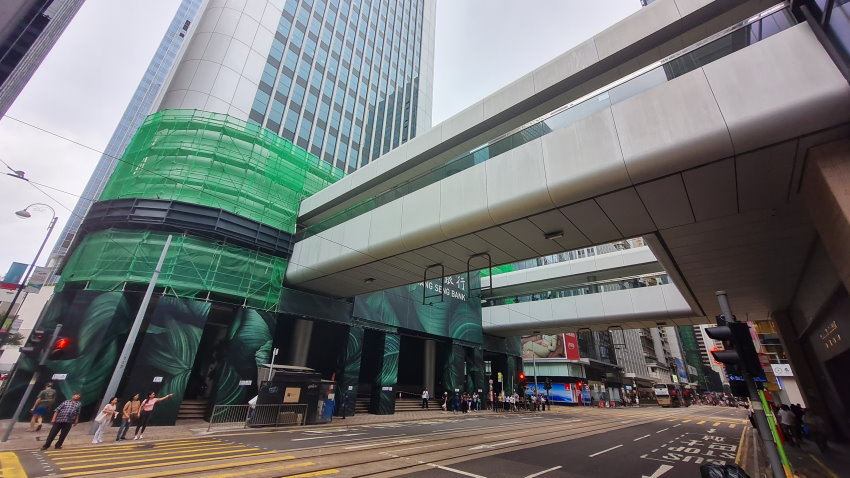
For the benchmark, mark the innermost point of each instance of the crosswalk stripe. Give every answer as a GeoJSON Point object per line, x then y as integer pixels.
{"type": "Point", "coordinates": [732, 425]}
{"type": "Point", "coordinates": [154, 465]}
{"type": "Point", "coordinates": [147, 453]}
{"type": "Point", "coordinates": [260, 461]}
{"type": "Point", "coordinates": [715, 424]}
{"type": "Point", "coordinates": [686, 421]}
{"type": "Point", "coordinates": [331, 471]}
{"type": "Point", "coordinates": [135, 446]}
{"type": "Point", "coordinates": [148, 460]}
{"type": "Point", "coordinates": [700, 422]}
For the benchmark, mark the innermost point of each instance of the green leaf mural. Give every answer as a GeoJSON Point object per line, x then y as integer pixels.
{"type": "Point", "coordinates": [250, 345]}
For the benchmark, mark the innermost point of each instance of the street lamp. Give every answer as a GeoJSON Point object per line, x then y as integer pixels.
{"type": "Point", "coordinates": [24, 214]}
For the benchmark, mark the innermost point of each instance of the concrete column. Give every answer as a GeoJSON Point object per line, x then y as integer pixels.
{"type": "Point", "coordinates": [827, 199]}
{"type": "Point", "coordinates": [429, 363]}
{"type": "Point", "coordinates": [299, 347]}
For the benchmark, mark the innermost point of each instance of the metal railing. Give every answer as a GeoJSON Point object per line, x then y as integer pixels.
{"type": "Point", "coordinates": [231, 416]}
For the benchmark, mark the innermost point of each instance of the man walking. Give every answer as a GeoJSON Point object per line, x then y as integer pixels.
{"type": "Point", "coordinates": [43, 404]}
{"type": "Point", "coordinates": [66, 415]}
{"type": "Point", "coordinates": [425, 398]}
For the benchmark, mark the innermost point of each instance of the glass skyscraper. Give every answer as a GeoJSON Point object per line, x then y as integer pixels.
{"type": "Point", "coordinates": [348, 81]}
{"type": "Point", "coordinates": [136, 112]}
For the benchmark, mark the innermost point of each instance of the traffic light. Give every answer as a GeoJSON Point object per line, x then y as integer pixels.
{"type": "Point", "coordinates": [547, 385]}
{"type": "Point", "coordinates": [35, 344]}
{"type": "Point", "coordinates": [522, 384]}
{"type": "Point", "coordinates": [739, 350]}
{"type": "Point", "coordinates": [59, 348]}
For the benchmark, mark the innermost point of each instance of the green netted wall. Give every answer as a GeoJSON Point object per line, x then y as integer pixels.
{"type": "Point", "coordinates": [193, 266]}
{"type": "Point", "coordinates": [218, 161]}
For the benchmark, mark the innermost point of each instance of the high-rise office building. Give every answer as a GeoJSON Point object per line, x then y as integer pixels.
{"type": "Point", "coordinates": [266, 103]}
{"type": "Point", "coordinates": [137, 110]}
{"type": "Point", "coordinates": [28, 30]}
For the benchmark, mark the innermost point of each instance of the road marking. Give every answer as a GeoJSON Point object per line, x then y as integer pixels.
{"type": "Point", "coordinates": [331, 471]}
{"type": "Point", "coordinates": [641, 438]}
{"type": "Point", "coordinates": [662, 430]}
{"type": "Point", "coordinates": [677, 425]}
{"type": "Point", "coordinates": [455, 470]}
{"type": "Point", "coordinates": [231, 465]}
{"type": "Point", "coordinates": [715, 424]}
{"type": "Point", "coordinates": [732, 425]}
{"type": "Point", "coordinates": [414, 447]}
{"type": "Point", "coordinates": [686, 421]}
{"type": "Point", "coordinates": [181, 462]}
{"type": "Point", "coordinates": [399, 442]}
{"type": "Point", "coordinates": [700, 422]}
{"type": "Point", "coordinates": [827, 470]}
{"type": "Point", "coordinates": [660, 471]}
{"type": "Point", "coordinates": [482, 447]}
{"type": "Point", "coordinates": [603, 451]}
{"type": "Point", "coordinates": [10, 466]}
{"type": "Point", "coordinates": [323, 437]}
{"type": "Point", "coordinates": [533, 475]}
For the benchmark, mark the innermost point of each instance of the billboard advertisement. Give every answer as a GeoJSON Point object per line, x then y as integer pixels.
{"type": "Point", "coordinates": [544, 346]}
{"type": "Point", "coordinates": [560, 392]}
{"type": "Point", "coordinates": [571, 346]}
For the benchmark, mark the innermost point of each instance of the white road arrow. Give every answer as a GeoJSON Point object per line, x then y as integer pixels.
{"type": "Point", "coordinates": [660, 471]}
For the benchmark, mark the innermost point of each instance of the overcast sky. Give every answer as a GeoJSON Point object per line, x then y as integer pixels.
{"type": "Point", "coordinates": [83, 86]}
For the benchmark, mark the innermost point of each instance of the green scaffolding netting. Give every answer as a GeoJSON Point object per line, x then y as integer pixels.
{"type": "Point", "coordinates": [218, 161]}
{"type": "Point", "coordinates": [106, 260]}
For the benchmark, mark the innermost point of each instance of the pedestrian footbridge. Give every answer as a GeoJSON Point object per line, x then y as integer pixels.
{"type": "Point", "coordinates": [687, 123]}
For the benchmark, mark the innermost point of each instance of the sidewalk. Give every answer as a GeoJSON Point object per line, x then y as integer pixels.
{"type": "Point", "coordinates": [806, 460]}
{"type": "Point", "coordinates": [80, 435]}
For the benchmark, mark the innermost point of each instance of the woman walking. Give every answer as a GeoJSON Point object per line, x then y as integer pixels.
{"type": "Point", "coordinates": [129, 415]}
{"type": "Point", "coordinates": [104, 419]}
{"type": "Point", "coordinates": [146, 411]}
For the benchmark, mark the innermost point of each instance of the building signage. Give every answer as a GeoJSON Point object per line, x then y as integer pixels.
{"type": "Point", "coordinates": [782, 370]}
{"type": "Point", "coordinates": [451, 286]}
{"type": "Point", "coordinates": [571, 346]}
{"type": "Point", "coordinates": [830, 336]}
{"type": "Point", "coordinates": [244, 382]}
{"type": "Point", "coordinates": [59, 376]}
{"type": "Point", "coordinates": [157, 380]}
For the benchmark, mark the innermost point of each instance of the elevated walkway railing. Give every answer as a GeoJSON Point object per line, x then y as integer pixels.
{"type": "Point", "coordinates": [719, 45]}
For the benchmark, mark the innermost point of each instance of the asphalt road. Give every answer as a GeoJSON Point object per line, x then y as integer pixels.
{"type": "Point", "coordinates": [650, 442]}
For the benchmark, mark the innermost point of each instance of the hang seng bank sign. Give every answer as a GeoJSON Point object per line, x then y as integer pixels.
{"type": "Point", "coordinates": [453, 287]}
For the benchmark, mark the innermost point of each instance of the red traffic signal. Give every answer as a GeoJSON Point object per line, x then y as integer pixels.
{"type": "Point", "coordinates": [522, 376]}
{"type": "Point", "coordinates": [59, 347]}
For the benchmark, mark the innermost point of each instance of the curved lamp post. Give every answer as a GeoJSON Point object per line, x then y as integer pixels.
{"type": "Point", "coordinates": [24, 214]}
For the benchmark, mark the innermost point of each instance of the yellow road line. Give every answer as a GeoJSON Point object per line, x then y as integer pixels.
{"type": "Point", "coordinates": [732, 425]}
{"type": "Point", "coordinates": [700, 422]}
{"type": "Point", "coordinates": [262, 470]}
{"type": "Point", "coordinates": [715, 424]}
{"type": "Point", "coordinates": [219, 466]}
{"type": "Point", "coordinates": [331, 471]}
{"type": "Point", "coordinates": [147, 453]}
{"type": "Point", "coordinates": [10, 466]}
{"type": "Point", "coordinates": [686, 421]}
{"type": "Point", "coordinates": [147, 460]}
{"type": "Point", "coordinates": [740, 447]}
{"type": "Point", "coordinates": [154, 465]}
{"type": "Point", "coordinates": [825, 468]}
{"type": "Point", "coordinates": [125, 448]}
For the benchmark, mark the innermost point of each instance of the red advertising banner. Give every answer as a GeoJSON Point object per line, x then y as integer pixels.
{"type": "Point", "coordinates": [571, 347]}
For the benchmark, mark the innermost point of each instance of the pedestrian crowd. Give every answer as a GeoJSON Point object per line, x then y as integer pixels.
{"type": "Point", "coordinates": [135, 412]}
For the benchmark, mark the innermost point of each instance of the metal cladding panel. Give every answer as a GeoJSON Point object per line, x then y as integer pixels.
{"type": "Point", "coordinates": [781, 87]}
{"type": "Point", "coordinates": [660, 135]}
{"type": "Point", "coordinates": [584, 157]}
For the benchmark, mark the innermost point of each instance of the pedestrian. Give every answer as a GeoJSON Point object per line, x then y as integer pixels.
{"type": "Point", "coordinates": [456, 403]}
{"type": "Point", "coordinates": [817, 429]}
{"type": "Point", "coordinates": [146, 411]}
{"type": "Point", "coordinates": [798, 412]}
{"type": "Point", "coordinates": [425, 397]}
{"type": "Point", "coordinates": [43, 403]}
{"type": "Point", "coordinates": [66, 415]}
{"type": "Point", "coordinates": [104, 419]}
{"type": "Point", "coordinates": [788, 421]}
{"type": "Point", "coordinates": [445, 405]}
{"type": "Point", "coordinates": [129, 416]}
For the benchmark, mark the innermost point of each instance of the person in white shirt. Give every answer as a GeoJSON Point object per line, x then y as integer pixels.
{"type": "Point", "coordinates": [425, 397]}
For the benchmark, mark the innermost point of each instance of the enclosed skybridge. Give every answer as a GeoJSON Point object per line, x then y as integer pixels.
{"type": "Point", "coordinates": [621, 288]}
{"type": "Point", "coordinates": [687, 123]}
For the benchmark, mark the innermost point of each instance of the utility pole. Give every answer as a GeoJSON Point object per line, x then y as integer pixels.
{"type": "Point", "coordinates": [762, 425]}
{"type": "Point", "coordinates": [118, 373]}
